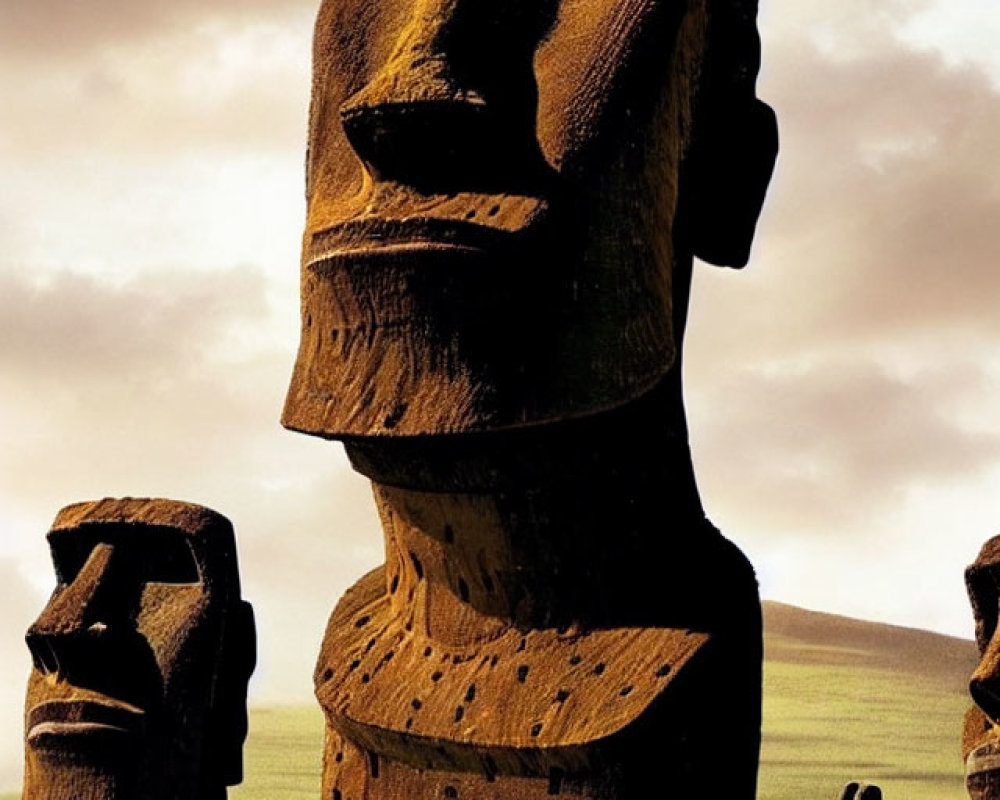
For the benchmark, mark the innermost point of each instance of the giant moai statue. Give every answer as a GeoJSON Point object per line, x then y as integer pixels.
{"type": "Point", "coordinates": [980, 733]}
{"type": "Point", "coordinates": [141, 657]}
{"type": "Point", "coordinates": [504, 200]}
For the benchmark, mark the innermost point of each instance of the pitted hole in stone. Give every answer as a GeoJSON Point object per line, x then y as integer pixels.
{"type": "Point", "coordinates": [536, 729]}
{"type": "Point", "coordinates": [354, 664]}
{"type": "Point", "coordinates": [362, 621]}
{"type": "Point", "coordinates": [625, 692]}
{"type": "Point", "coordinates": [599, 669]}
{"type": "Point", "coordinates": [555, 780]}
{"type": "Point", "coordinates": [373, 764]}
{"type": "Point", "coordinates": [575, 660]}
{"type": "Point", "coordinates": [494, 661]}
{"type": "Point", "coordinates": [394, 585]}
{"type": "Point", "coordinates": [459, 713]}
{"type": "Point", "coordinates": [392, 419]}
{"type": "Point", "coordinates": [450, 791]}
{"type": "Point", "coordinates": [437, 676]}
{"type": "Point", "coordinates": [470, 695]}
{"type": "Point", "coordinates": [309, 320]}
{"type": "Point", "coordinates": [327, 674]}
{"type": "Point", "coordinates": [561, 696]}
{"type": "Point", "coordinates": [409, 723]}
{"type": "Point", "coordinates": [463, 590]}
{"type": "Point", "coordinates": [522, 673]}
{"type": "Point", "coordinates": [417, 565]}
{"type": "Point", "coordinates": [417, 705]}
{"type": "Point", "coordinates": [521, 647]}
{"type": "Point", "coordinates": [449, 534]}
{"type": "Point", "coordinates": [409, 625]}
{"type": "Point", "coordinates": [365, 678]}
{"type": "Point", "coordinates": [470, 214]}
{"type": "Point", "coordinates": [663, 671]}
{"type": "Point", "coordinates": [337, 795]}
{"type": "Point", "coordinates": [334, 335]}
{"type": "Point", "coordinates": [428, 651]}
{"type": "Point", "coordinates": [485, 661]}
{"type": "Point", "coordinates": [494, 211]}
{"type": "Point", "coordinates": [371, 644]}
{"type": "Point", "coordinates": [339, 757]}
{"type": "Point", "coordinates": [388, 656]}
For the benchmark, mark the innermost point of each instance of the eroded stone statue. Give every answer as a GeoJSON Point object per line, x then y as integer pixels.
{"type": "Point", "coordinates": [141, 657]}
{"type": "Point", "coordinates": [504, 200]}
{"type": "Point", "coordinates": [980, 734]}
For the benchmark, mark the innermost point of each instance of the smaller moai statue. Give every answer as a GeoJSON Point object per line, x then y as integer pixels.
{"type": "Point", "coordinates": [980, 734]}
{"type": "Point", "coordinates": [141, 658]}
{"type": "Point", "coordinates": [861, 791]}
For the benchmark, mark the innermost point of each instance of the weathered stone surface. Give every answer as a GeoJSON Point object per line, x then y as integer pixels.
{"type": "Point", "coordinates": [141, 657]}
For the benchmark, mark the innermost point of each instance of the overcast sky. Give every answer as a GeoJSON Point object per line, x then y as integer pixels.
{"type": "Point", "coordinates": [843, 390]}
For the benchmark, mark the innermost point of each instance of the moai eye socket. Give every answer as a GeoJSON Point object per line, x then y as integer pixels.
{"type": "Point", "coordinates": [145, 553]}
{"type": "Point", "coordinates": [165, 557]}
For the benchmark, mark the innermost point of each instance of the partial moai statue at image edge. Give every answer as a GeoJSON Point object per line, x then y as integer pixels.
{"type": "Point", "coordinates": [980, 734]}
{"type": "Point", "coordinates": [141, 657]}
{"type": "Point", "coordinates": [504, 201]}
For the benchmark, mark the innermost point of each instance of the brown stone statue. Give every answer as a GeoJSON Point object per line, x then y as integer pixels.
{"type": "Point", "coordinates": [141, 657]}
{"type": "Point", "coordinates": [980, 734]}
{"type": "Point", "coordinates": [504, 200]}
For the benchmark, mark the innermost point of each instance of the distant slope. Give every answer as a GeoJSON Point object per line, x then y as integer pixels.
{"type": "Point", "coordinates": [796, 635]}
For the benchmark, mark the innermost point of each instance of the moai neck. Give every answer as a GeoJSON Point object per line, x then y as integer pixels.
{"type": "Point", "coordinates": [586, 524]}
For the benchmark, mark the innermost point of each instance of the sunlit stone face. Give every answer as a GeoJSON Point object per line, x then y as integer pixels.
{"type": "Point", "coordinates": [140, 658]}
{"type": "Point", "coordinates": [492, 190]}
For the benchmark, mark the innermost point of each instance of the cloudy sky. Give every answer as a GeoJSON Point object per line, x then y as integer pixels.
{"type": "Point", "coordinates": [843, 390]}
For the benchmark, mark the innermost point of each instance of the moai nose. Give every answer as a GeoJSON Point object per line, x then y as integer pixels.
{"type": "Point", "coordinates": [84, 608]}
{"type": "Point", "coordinates": [456, 95]}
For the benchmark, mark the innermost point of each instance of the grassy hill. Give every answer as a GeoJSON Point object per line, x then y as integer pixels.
{"type": "Point", "coordinates": [843, 699]}
{"type": "Point", "coordinates": [848, 699]}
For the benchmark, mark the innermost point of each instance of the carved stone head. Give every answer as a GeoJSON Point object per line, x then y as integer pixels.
{"type": "Point", "coordinates": [141, 657]}
{"type": "Point", "coordinates": [982, 580]}
{"type": "Point", "coordinates": [503, 202]}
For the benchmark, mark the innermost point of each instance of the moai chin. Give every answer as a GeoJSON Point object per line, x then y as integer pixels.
{"type": "Point", "coordinates": [980, 733]}
{"type": "Point", "coordinates": [504, 200]}
{"type": "Point", "coordinates": [141, 657]}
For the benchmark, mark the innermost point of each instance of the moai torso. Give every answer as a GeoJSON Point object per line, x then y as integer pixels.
{"type": "Point", "coordinates": [504, 201]}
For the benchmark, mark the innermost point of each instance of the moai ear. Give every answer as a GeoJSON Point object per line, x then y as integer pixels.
{"type": "Point", "coordinates": [727, 172]}
{"type": "Point", "coordinates": [228, 725]}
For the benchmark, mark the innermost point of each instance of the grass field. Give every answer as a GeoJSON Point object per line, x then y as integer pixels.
{"type": "Point", "coordinates": [843, 700]}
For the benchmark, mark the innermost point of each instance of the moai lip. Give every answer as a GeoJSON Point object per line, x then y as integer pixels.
{"type": "Point", "coordinates": [141, 657]}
